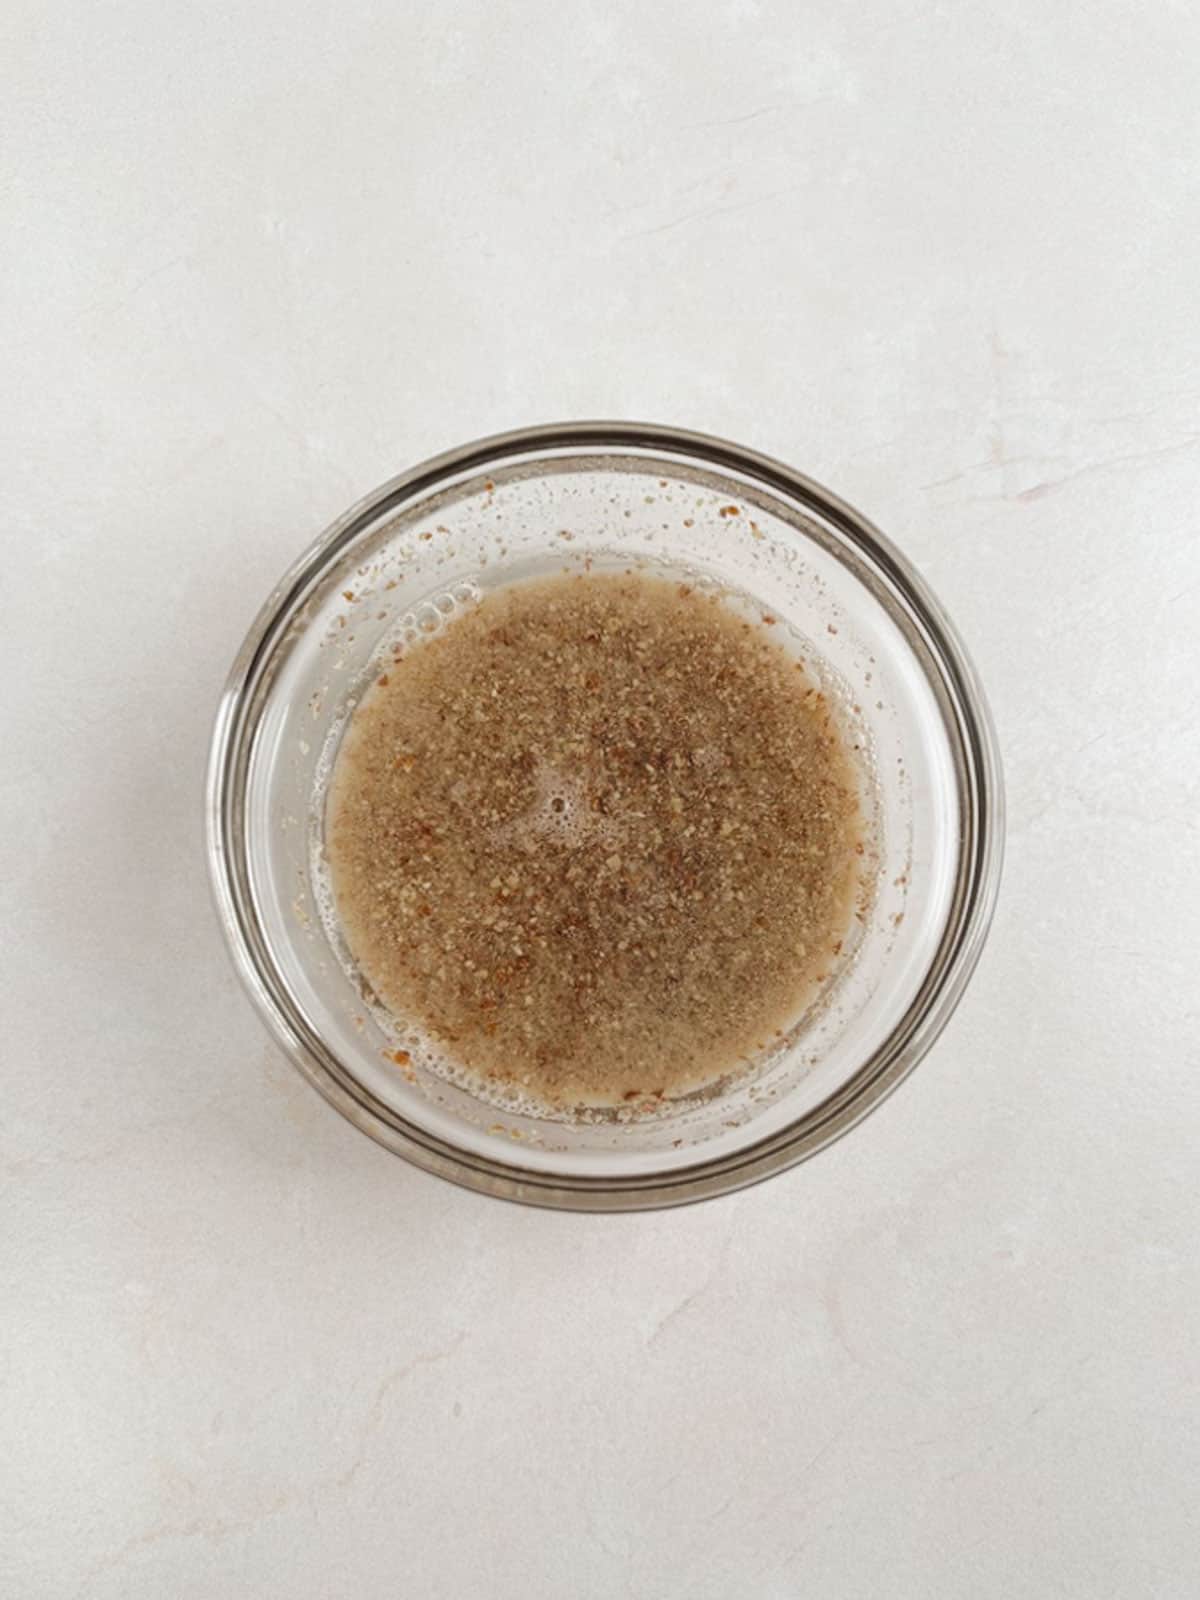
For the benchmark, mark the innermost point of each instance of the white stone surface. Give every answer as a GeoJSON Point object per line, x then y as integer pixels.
{"type": "Point", "coordinates": [259, 258]}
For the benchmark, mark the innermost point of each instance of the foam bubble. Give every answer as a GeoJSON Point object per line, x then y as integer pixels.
{"type": "Point", "coordinates": [561, 813]}
{"type": "Point", "coordinates": [428, 617]}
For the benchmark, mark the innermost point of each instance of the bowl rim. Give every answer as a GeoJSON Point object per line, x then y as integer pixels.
{"type": "Point", "coordinates": [978, 868]}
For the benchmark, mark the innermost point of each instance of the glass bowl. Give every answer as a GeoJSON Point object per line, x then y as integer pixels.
{"type": "Point", "coordinates": [672, 503]}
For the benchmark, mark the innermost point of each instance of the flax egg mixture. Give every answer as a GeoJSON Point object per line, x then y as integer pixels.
{"type": "Point", "coordinates": [599, 840]}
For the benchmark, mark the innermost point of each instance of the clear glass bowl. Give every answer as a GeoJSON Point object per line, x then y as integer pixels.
{"type": "Point", "coordinates": [622, 494]}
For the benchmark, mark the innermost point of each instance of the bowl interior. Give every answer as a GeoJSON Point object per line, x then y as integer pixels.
{"type": "Point", "coordinates": [399, 567]}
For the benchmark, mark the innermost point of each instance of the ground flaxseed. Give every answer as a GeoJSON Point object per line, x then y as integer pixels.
{"type": "Point", "coordinates": [597, 838]}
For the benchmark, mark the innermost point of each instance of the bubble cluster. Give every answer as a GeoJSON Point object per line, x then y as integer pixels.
{"type": "Point", "coordinates": [563, 812]}
{"type": "Point", "coordinates": [430, 616]}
